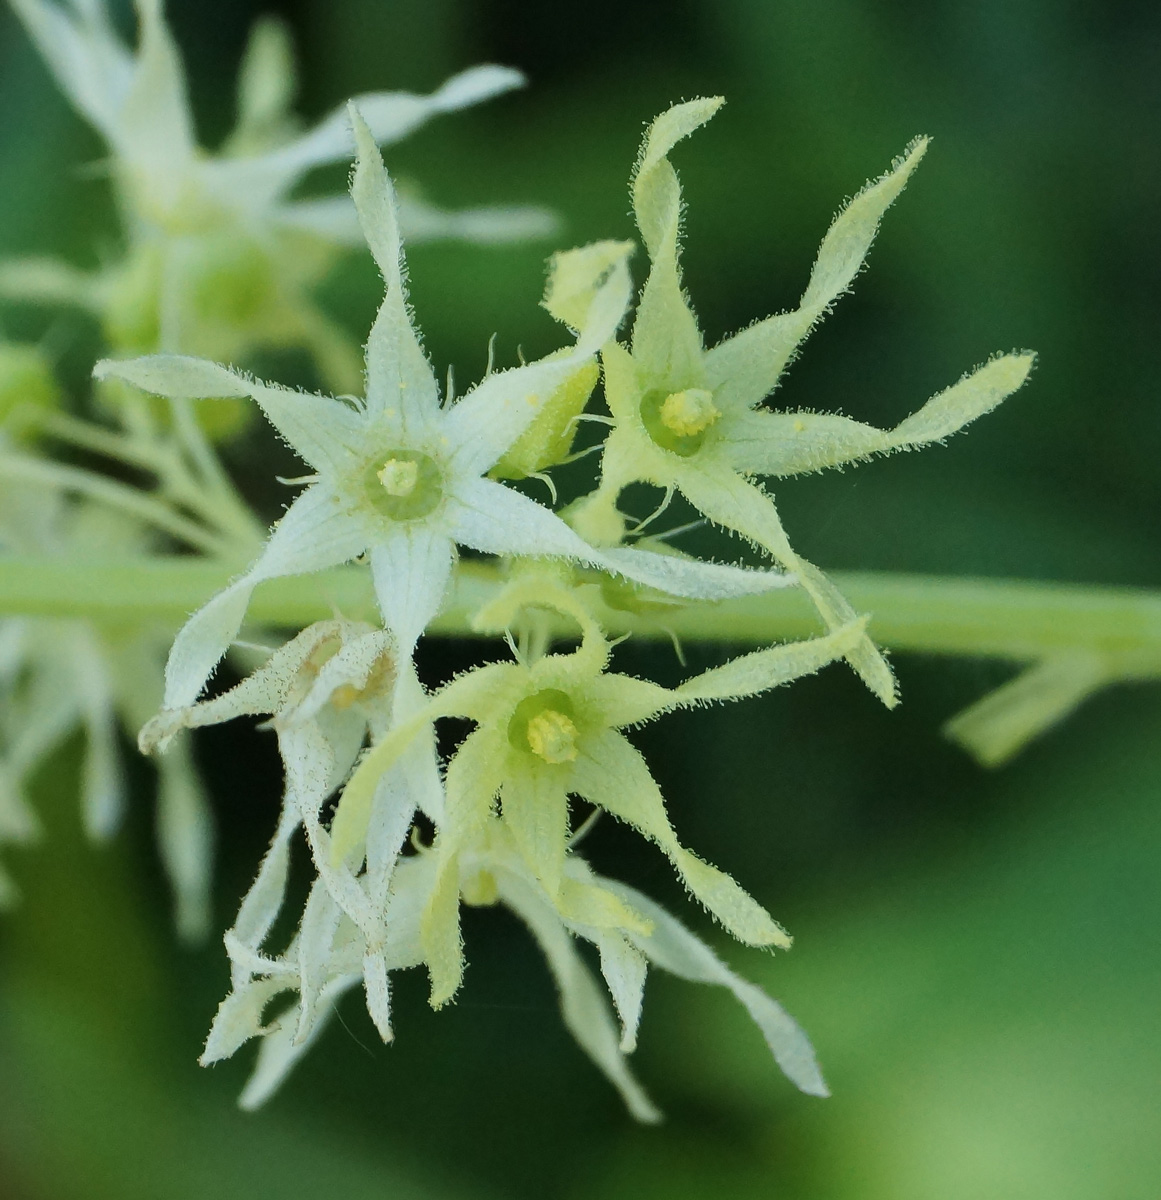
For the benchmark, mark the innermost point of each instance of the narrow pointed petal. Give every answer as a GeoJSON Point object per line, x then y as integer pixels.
{"type": "Point", "coordinates": [975, 394]}
{"type": "Point", "coordinates": [411, 568]}
{"type": "Point", "coordinates": [335, 219]}
{"type": "Point", "coordinates": [745, 368]}
{"type": "Point", "coordinates": [263, 901]}
{"type": "Point", "coordinates": [239, 1018]}
{"type": "Point", "coordinates": [103, 786]}
{"type": "Point", "coordinates": [440, 932]}
{"type": "Point", "coordinates": [675, 949]}
{"type": "Point", "coordinates": [326, 433]}
{"type": "Point", "coordinates": [499, 520]}
{"type": "Point", "coordinates": [262, 691]}
{"type": "Point", "coordinates": [267, 83]}
{"type": "Point", "coordinates": [765, 443]}
{"type": "Point", "coordinates": [583, 1007]}
{"type": "Point", "coordinates": [377, 988]}
{"type": "Point", "coordinates": [313, 535]}
{"type": "Point", "coordinates": [49, 281]}
{"type": "Point", "coordinates": [280, 1052]}
{"type": "Point", "coordinates": [316, 939]}
{"type": "Point", "coordinates": [154, 129]}
{"type": "Point", "coordinates": [624, 968]}
{"type": "Point", "coordinates": [89, 63]}
{"type": "Point", "coordinates": [792, 443]}
{"type": "Point", "coordinates": [751, 674]}
{"type": "Point", "coordinates": [485, 225]}
{"type": "Point", "coordinates": [185, 837]}
{"type": "Point", "coordinates": [399, 377]}
{"type": "Point", "coordinates": [620, 700]}
{"type": "Point", "coordinates": [1000, 725]}
{"type": "Point", "coordinates": [535, 811]}
{"type": "Point", "coordinates": [612, 774]}
{"type": "Point", "coordinates": [666, 340]}
{"type": "Point", "coordinates": [729, 500]}
{"type": "Point", "coordinates": [390, 117]}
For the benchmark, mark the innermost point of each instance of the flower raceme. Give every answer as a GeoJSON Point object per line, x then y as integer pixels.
{"type": "Point", "coordinates": [401, 477]}
{"type": "Point", "coordinates": [549, 729]}
{"type": "Point", "coordinates": [220, 255]}
{"type": "Point", "coordinates": [691, 420]}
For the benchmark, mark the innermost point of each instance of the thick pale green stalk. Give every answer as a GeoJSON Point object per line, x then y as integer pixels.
{"type": "Point", "coordinates": [1011, 619]}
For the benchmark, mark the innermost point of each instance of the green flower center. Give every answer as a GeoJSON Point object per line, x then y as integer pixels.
{"type": "Point", "coordinates": [543, 725]}
{"type": "Point", "coordinates": [404, 486]}
{"type": "Point", "coordinates": [678, 421]}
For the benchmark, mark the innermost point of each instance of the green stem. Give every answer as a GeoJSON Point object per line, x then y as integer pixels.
{"type": "Point", "coordinates": [1009, 619]}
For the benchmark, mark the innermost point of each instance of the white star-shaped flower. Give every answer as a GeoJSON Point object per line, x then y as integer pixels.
{"type": "Point", "coordinates": [401, 477]}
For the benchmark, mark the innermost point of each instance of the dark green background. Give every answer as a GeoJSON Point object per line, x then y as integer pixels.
{"type": "Point", "coordinates": [977, 954]}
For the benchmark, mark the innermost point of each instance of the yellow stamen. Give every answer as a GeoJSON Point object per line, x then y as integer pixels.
{"type": "Point", "coordinates": [552, 736]}
{"type": "Point", "coordinates": [399, 477]}
{"type": "Point", "coordinates": [689, 413]}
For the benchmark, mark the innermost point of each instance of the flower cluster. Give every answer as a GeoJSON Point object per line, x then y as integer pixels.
{"type": "Point", "coordinates": [402, 479]}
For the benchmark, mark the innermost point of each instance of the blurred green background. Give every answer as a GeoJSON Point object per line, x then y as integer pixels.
{"type": "Point", "coordinates": [977, 954]}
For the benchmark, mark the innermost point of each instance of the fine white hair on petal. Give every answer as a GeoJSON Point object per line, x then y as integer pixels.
{"type": "Point", "coordinates": [499, 520]}
{"type": "Point", "coordinates": [675, 949]}
{"type": "Point", "coordinates": [314, 534]}
{"type": "Point", "coordinates": [411, 568]}
{"type": "Point", "coordinates": [583, 1007]}
{"type": "Point", "coordinates": [280, 1050]}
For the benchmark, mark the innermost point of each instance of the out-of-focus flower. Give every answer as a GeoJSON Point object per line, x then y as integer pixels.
{"type": "Point", "coordinates": [220, 256]}
{"type": "Point", "coordinates": [58, 676]}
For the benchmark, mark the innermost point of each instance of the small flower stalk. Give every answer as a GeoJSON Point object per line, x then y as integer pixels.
{"type": "Point", "coordinates": [403, 480]}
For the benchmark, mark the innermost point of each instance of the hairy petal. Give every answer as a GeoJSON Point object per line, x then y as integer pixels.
{"type": "Point", "coordinates": [584, 1009]}
{"type": "Point", "coordinates": [313, 535]}
{"type": "Point", "coordinates": [745, 368]}
{"type": "Point", "coordinates": [326, 433]}
{"type": "Point", "coordinates": [675, 949]}
{"type": "Point", "coordinates": [399, 377]}
{"type": "Point", "coordinates": [411, 568]}
{"type": "Point", "coordinates": [666, 339]}
{"type": "Point", "coordinates": [730, 500]}
{"type": "Point", "coordinates": [612, 774]}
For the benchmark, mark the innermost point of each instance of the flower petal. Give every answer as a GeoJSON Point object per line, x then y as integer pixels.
{"type": "Point", "coordinates": [766, 443]}
{"type": "Point", "coordinates": [624, 968]}
{"type": "Point", "coordinates": [262, 691]}
{"type": "Point", "coordinates": [90, 64]}
{"type": "Point", "coordinates": [612, 774]}
{"type": "Point", "coordinates": [745, 368]}
{"type": "Point", "coordinates": [154, 131]}
{"type": "Point", "coordinates": [535, 811]}
{"type": "Point", "coordinates": [499, 520]}
{"type": "Point", "coordinates": [729, 500]}
{"type": "Point", "coordinates": [675, 949]}
{"type": "Point", "coordinates": [326, 432]}
{"type": "Point", "coordinates": [411, 568]}
{"type": "Point", "coordinates": [280, 1051]}
{"type": "Point", "coordinates": [751, 674]}
{"type": "Point", "coordinates": [314, 534]}
{"type": "Point", "coordinates": [584, 1009]}
{"type": "Point", "coordinates": [399, 377]}
{"type": "Point", "coordinates": [666, 340]}
{"type": "Point", "coordinates": [390, 116]}
{"type": "Point", "coordinates": [185, 838]}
